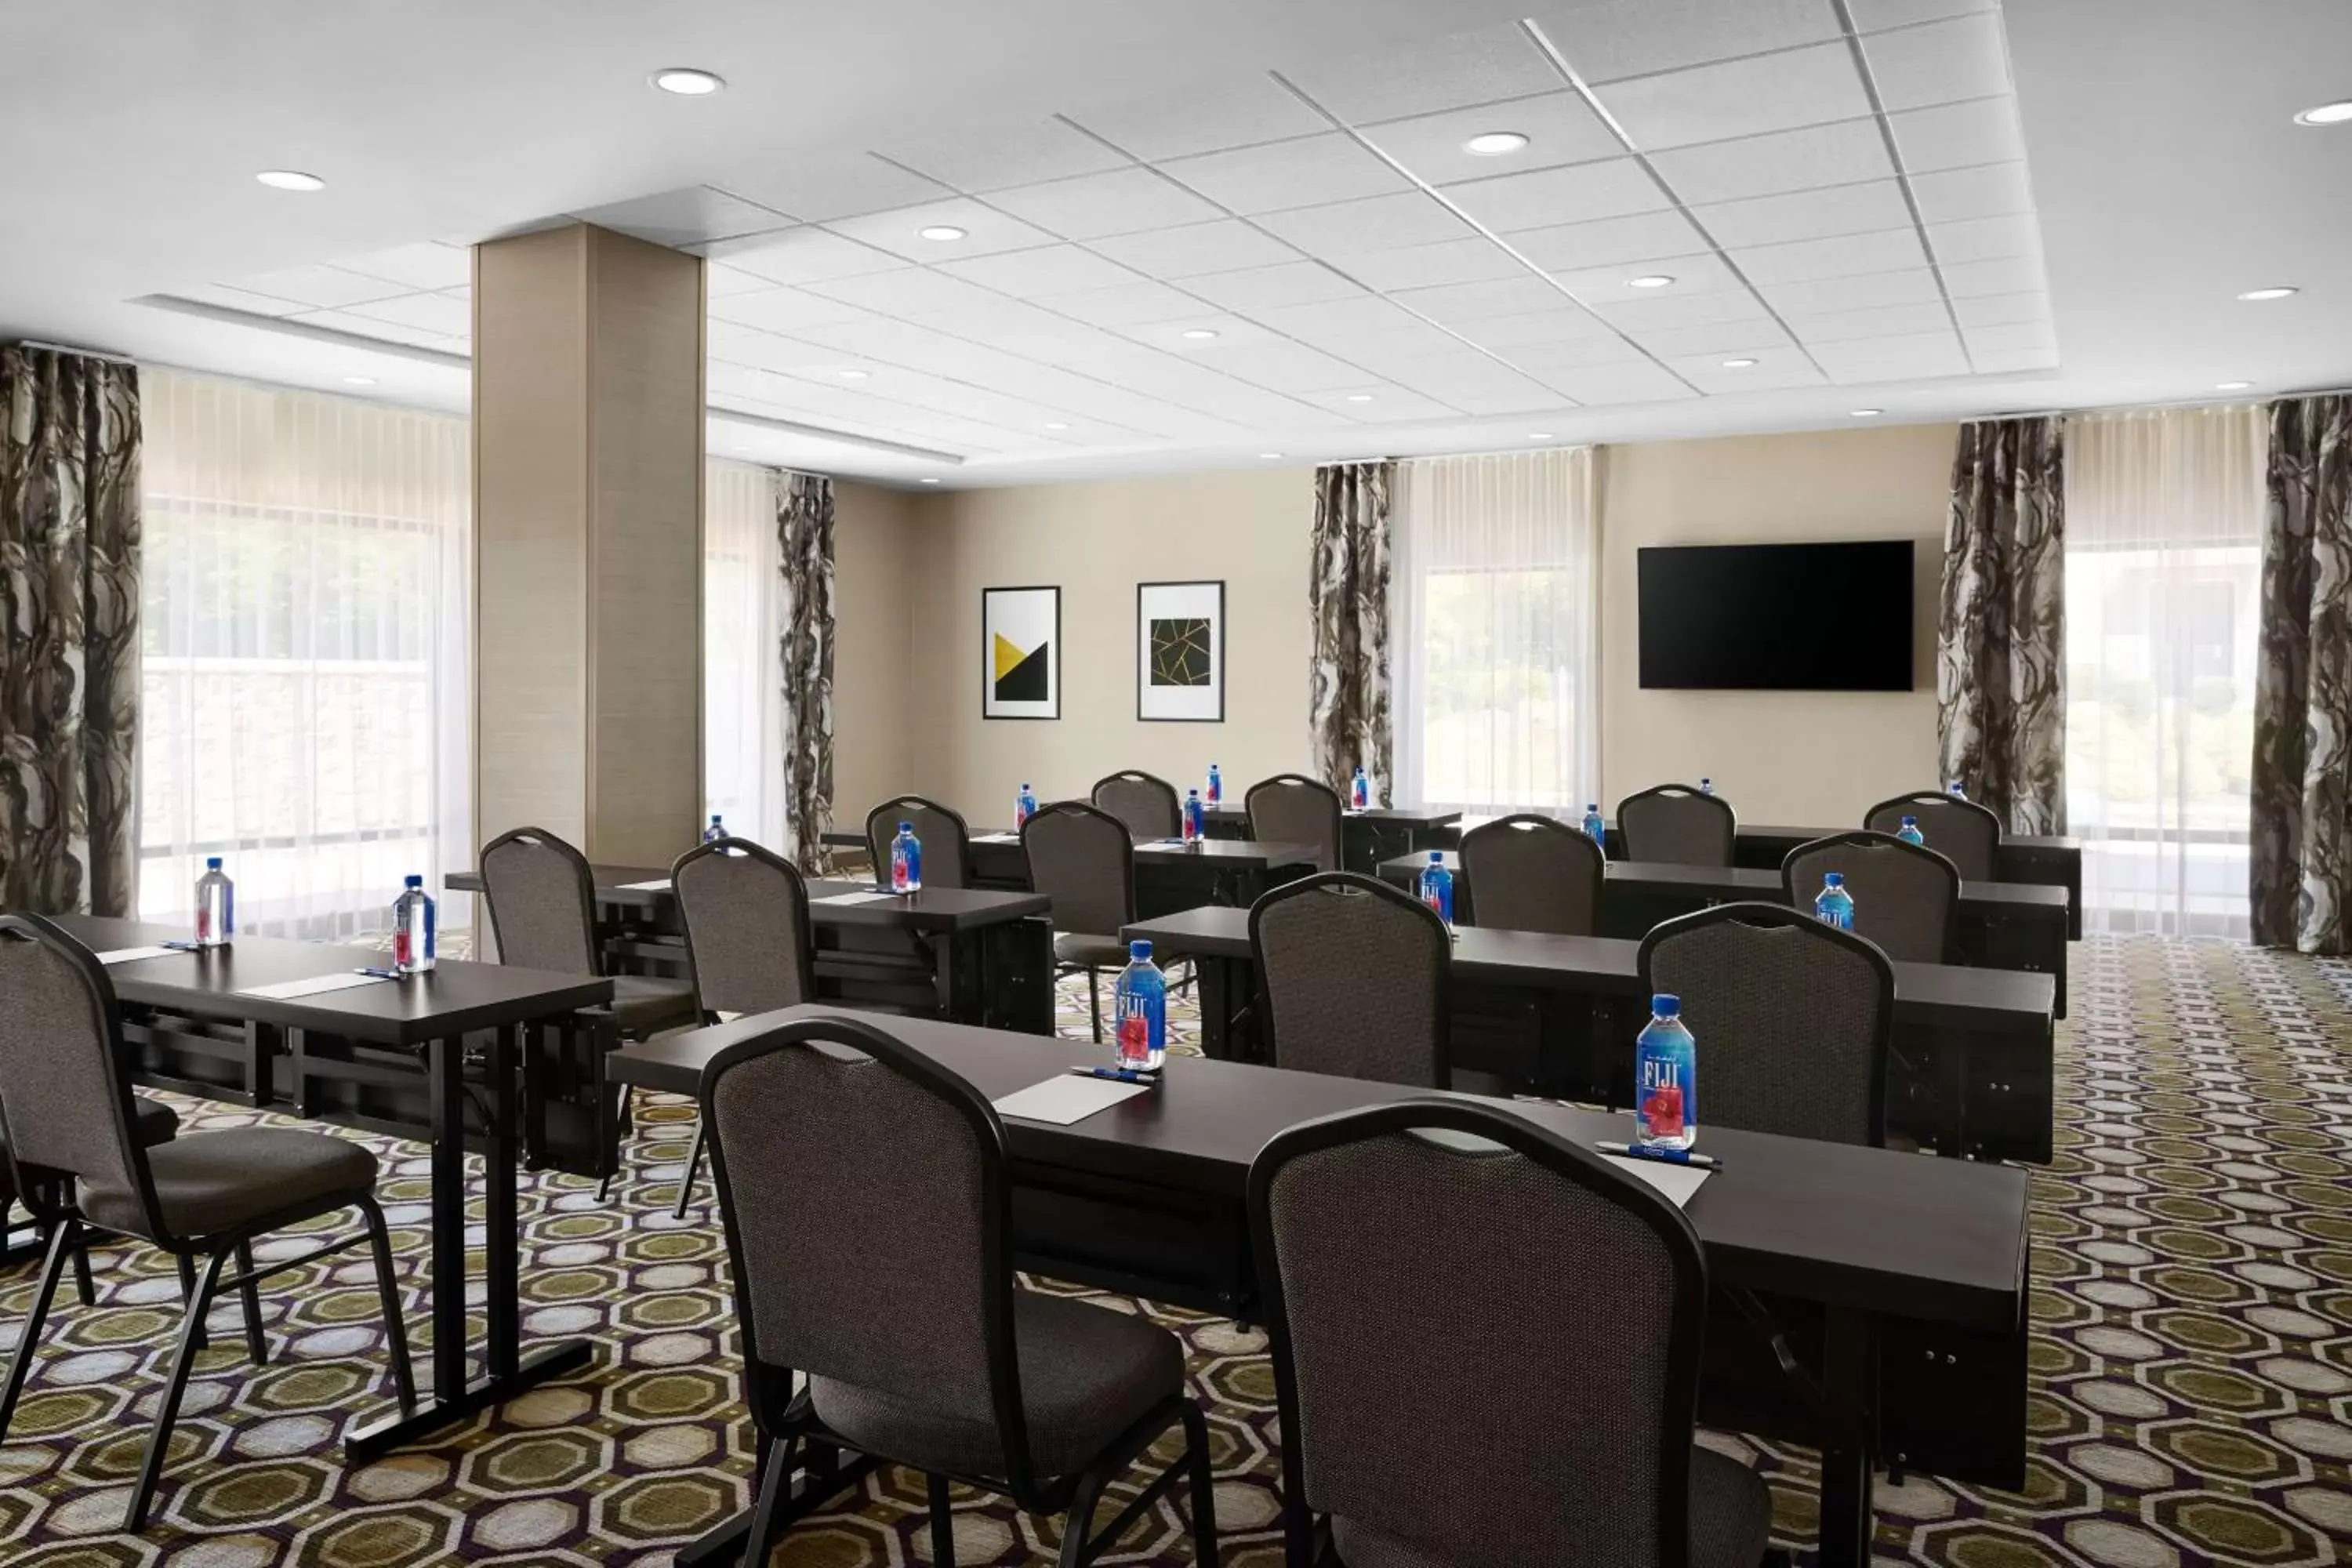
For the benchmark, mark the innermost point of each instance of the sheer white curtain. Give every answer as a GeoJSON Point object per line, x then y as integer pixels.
{"type": "Point", "coordinates": [742, 631]}
{"type": "Point", "coordinates": [1495, 654]}
{"type": "Point", "coordinates": [2164, 531]}
{"type": "Point", "coordinates": [305, 697]}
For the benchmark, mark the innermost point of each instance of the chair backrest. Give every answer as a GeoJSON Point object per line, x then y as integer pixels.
{"type": "Point", "coordinates": [1354, 979]}
{"type": "Point", "coordinates": [1291, 808]}
{"type": "Point", "coordinates": [867, 1208]}
{"type": "Point", "coordinates": [1149, 806]}
{"type": "Point", "coordinates": [542, 902]}
{"type": "Point", "coordinates": [946, 842]}
{"type": "Point", "coordinates": [1906, 899]}
{"type": "Point", "coordinates": [1961, 831]}
{"type": "Point", "coordinates": [1676, 824]}
{"type": "Point", "coordinates": [1792, 1016]}
{"type": "Point", "coordinates": [1533, 873]}
{"type": "Point", "coordinates": [1083, 859]}
{"type": "Point", "coordinates": [63, 1095]}
{"type": "Point", "coordinates": [747, 934]}
{"type": "Point", "coordinates": [1501, 1441]}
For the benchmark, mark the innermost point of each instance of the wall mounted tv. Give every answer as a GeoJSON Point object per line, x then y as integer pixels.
{"type": "Point", "coordinates": [1777, 618]}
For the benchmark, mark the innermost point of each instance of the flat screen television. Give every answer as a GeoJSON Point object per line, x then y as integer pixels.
{"type": "Point", "coordinates": [1777, 618]}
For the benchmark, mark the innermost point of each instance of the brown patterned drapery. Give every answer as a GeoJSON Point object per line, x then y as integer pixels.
{"type": "Point", "coordinates": [804, 533]}
{"type": "Point", "coordinates": [2000, 641]}
{"type": "Point", "coordinates": [68, 631]}
{"type": "Point", "coordinates": [2302, 781]}
{"type": "Point", "coordinates": [1347, 596]}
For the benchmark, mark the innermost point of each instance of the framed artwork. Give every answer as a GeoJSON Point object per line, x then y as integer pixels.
{"type": "Point", "coordinates": [1021, 646]}
{"type": "Point", "coordinates": [1180, 652]}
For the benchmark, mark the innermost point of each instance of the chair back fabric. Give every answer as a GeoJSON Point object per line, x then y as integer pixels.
{"type": "Point", "coordinates": [64, 1098]}
{"type": "Point", "coordinates": [1083, 859]}
{"type": "Point", "coordinates": [542, 902]}
{"type": "Point", "coordinates": [748, 939]}
{"type": "Point", "coordinates": [863, 1193]}
{"type": "Point", "coordinates": [1291, 808]}
{"type": "Point", "coordinates": [1906, 899]}
{"type": "Point", "coordinates": [1677, 825]}
{"type": "Point", "coordinates": [1354, 978]}
{"type": "Point", "coordinates": [1961, 831]}
{"type": "Point", "coordinates": [1792, 1016]}
{"type": "Point", "coordinates": [1149, 806]}
{"type": "Point", "coordinates": [1500, 1441]}
{"type": "Point", "coordinates": [946, 842]}
{"type": "Point", "coordinates": [1533, 873]}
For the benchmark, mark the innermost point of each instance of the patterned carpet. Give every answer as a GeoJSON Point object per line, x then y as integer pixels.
{"type": "Point", "coordinates": [2192, 1399]}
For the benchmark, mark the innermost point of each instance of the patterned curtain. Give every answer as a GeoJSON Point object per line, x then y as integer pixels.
{"type": "Point", "coordinates": [2001, 644]}
{"type": "Point", "coordinates": [2301, 783]}
{"type": "Point", "coordinates": [1348, 594]}
{"type": "Point", "coordinates": [68, 631]}
{"type": "Point", "coordinates": [804, 530]}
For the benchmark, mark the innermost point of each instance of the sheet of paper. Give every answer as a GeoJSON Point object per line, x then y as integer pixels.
{"type": "Point", "coordinates": [866, 898]}
{"type": "Point", "coordinates": [658, 885]}
{"type": "Point", "coordinates": [133, 954]}
{"type": "Point", "coordinates": [1073, 1097]}
{"type": "Point", "coordinates": [996, 839]}
{"type": "Point", "coordinates": [286, 990]}
{"type": "Point", "coordinates": [1675, 1182]}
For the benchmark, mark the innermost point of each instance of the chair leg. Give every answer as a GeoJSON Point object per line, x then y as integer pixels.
{"type": "Point", "coordinates": [159, 1444]}
{"type": "Point", "coordinates": [255, 1343]}
{"type": "Point", "coordinates": [83, 1288]}
{"type": "Point", "coordinates": [1093, 995]}
{"type": "Point", "coordinates": [1204, 1492]}
{"type": "Point", "coordinates": [188, 1293]}
{"type": "Point", "coordinates": [63, 1240]}
{"type": "Point", "coordinates": [759, 1539]}
{"type": "Point", "coordinates": [693, 1164]}
{"type": "Point", "coordinates": [604, 1182]}
{"type": "Point", "coordinates": [1079, 1523]}
{"type": "Point", "coordinates": [395, 1328]}
{"type": "Point", "coordinates": [943, 1524]}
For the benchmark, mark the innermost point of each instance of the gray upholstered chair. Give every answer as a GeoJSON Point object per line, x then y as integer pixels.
{"type": "Point", "coordinates": [1354, 979]}
{"type": "Point", "coordinates": [1533, 873]}
{"type": "Point", "coordinates": [1678, 824]}
{"type": "Point", "coordinates": [1084, 860]}
{"type": "Point", "coordinates": [1792, 1019]}
{"type": "Point", "coordinates": [868, 1217]}
{"type": "Point", "coordinates": [946, 841]}
{"type": "Point", "coordinates": [74, 1151]}
{"type": "Point", "coordinates": [1531, 1446]}
{"type": "Point", "coordinates": [152, 1122]}
{"type": "Point", "coordinates": [1906, 899]}
{"type": "Point", "coordinates": [1291, 808]}
{"type": "Point", "coordinates": [1149, 806]}
{"type": "Point", "coordinates": [1961, 831]}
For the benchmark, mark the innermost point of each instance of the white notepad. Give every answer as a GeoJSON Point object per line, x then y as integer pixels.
{"type": "Point", "coordinates": [996, 839]}
{"type": "Point", "coordinates": [866, 898]}
{"type": "Point", "coordinates": [286, 990]}
{"type": "Point", "coordinates": [1070, 1098]}
{"type": "Point", "coordinates": [1675, 1182]}
{"type": "Point", "coordinates": [658, 885]}
{"type": "Point", "coordinates": [133, 954]}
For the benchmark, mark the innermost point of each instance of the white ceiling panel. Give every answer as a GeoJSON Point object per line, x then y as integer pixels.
{"type": "Point", "coordinates": [1473, 261]}
{"type": "Point", "coordinates": [2014, 335]}
{"type": "Point", "coordinates": [1126, 305]}
{"type": "Point", "coordinates": [818, 189]}
{"type": "Point", "coordinates": [244, 299]}
{"type": "Point", "coordinates": [1048, 269]}
{"type": "Point", "coordinates": [1521, 396]}
{"type": "Point", "coordinates": [1412, 341]}
{"type": "Point", "coordinates": [1958, 135]}
{"type": "Point", "coordinates": [1283, 366]}
{"type": "Point", "coordinates": [1124, 200]}
{"type": "Point", "coordinates": [320, 287]}
{"type": "Point", "coordinates": [800, 256]}
{"type": "Point", "coordinates": [1381, 403]}
{"type": "Point", "coordinates": [1752, 338]}
{"type": "Point", "coordinates": [1237, 112]}
{"type": "Point", "coordinates": [905, 292]}
{"type": "Point", "coordinates": [1687, 311]}
{"type": "Point", "coordinates": [1438, 74]}
{"type": "Point", "coordinates": [1916, 358]}
{"type": "Point", "coordinates": [373, 327]}
{"type": "Point", "coordinates": [1985, 238]}
{"type": "Point", "coordinates": [1376, 223]}
{"type": "Point", "coordinates": [986, 231]}
{"type": "Point", "coordinates": [1889, 251]}
{"type": "Point", "coordinates": [1636, 380]}
{"type": "Point", "coordinates": [2009, 275]}
{"type": "Point", "coordinates": [441, 314]}
{"type": "Point", "coordinates": [1844, 153]}
{"type": "Point", "coordinates": [1365, 313]}
{"type": "Point", "coordinates": [1869, 289]}
{"type": "Point", "coordinates": [1990, 190]}
{"type": "Point", "coordinates": [1883, 322]}
{"type": "Point", "coordinates": [1224, 246]}
{"type": "Point", "coordinates": [782, 309]}
{"type": "Point", "coordinates": [1560, 128]}
{"type": "Point", "coordinates": [1258, 287]}
{"type": "Point", "coordinates": [1807, 214]}
{"type": "Point", "coordinates": [1995, 361]}
{"type": "Point", "coordinates": [1869, 15]}
{"type": "Point", "coordinates": [719, 281]}
{"type": "Point", "coordinates": [1455, 302]}
{"type": "Point", "coordinates": [1999, 309]}
{"type": "Point", "coordinates": [1459, 367]}
{"type": "Point", "coordinates": [1605, 40]}
{"type": "Point", "coordinates": [1691, 275]}
{"type": "Point", "coordinates": [1308, 172]}
{"type": "Point", "coordinates": [1942, 63]}
{"type": "Point", "coordinates": [1546, 198]}
{"type": "Point", "coordinates": [430, 265]}
{"type": "Point", "coordinates": [1738, 98]}
{"type": "Point", "coordinates": [691, 215]}
{"type": "Point", "coordinates": [989, 158]}
{"type": "Point", "coordinates": [1610, 241]}
{"type": "Point", "coordinates": [767, 350]}
{"type": "Point", "coordinates": [1231, 331]}
{"type": "Point", "coordinates": [1771, 373]}
{"type": "Point", "coordinates": [1509, 334]}
{"type": "Point", "coordinates": [1023, 329]}
{"type": "Point", "coordinates": [1549, 362]}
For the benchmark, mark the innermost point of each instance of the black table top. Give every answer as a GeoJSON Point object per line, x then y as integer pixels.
{"type": "Point", "coordinates": [933, 909]}
{"type": "Point", "coordinates": [2047, 843]}
{"type": "Point", "coordinates": [1751, 883]}
{"type": "Point", "coordinates": [1419, 819]}
{"type": "Point", "coordinates": [1938, 1240]}
{"type": "Point", "coordinates": [453, 999]}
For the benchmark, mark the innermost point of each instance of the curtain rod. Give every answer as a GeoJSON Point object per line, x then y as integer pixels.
{"type": "Point", "coordinates": [2177, 403]}
{"type": "Point", "coordinates": [79, 353]}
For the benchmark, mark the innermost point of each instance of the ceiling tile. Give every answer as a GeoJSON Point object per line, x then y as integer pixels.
{"type": "Point", "coordinates": [719, 281]}
{"type": "Point", "coordinates": [1771, 371]}
{"type": "Point", "coordinates": [1470, 260]}
{"type": "Point", "coordinates": [801, 256]}
{"type": "Point", "coordinates": [244, 299]}
{"type": "Point", "coordinates": [1124, 200]}
{"type": "Point", "coordinates": [1691, 274]}
{"type": "Point", "coordinates": [818, 190]}
{"type": "Point", "coordinates": [1235, 113]}
{"type": "Point", "coordinates": [1375, 349]}
{"type": "Point", "coordinates": [1687, 311]}
{"type": "Point", "coordinates": [1636, 380]}
{"type": "Point", "coordinates": [1605, 40]}
{"type": "Point", "coordinates": [766, 350]}
{"type": "Point", "coordinates": [1807, 214]}
{"type": "Point", "coordinates": [1433, 75]}
{"type": "Point", "coordinates": [430, 265]}
{"type": "Point", "coordinates": [1738, 98]}
{"type": "Point", "coordinates": [373, 327]}
{"type": "Point", "coordinates": [437, 313]}
{"type": "Point", "coordinates": [1869, 15]}
{"type": "Point", "coordinates": [1520, 394]}
{"type": "Point", "coordinates": [1308, 172]}
{"type": "Point", "coordinates": [1848, 152]}
{"type": "Point", "coordinates": [686, 216]}
{"type": "Point", "coordinates": [1048, 269]}
{"type": "Point", "coordinates": [1991, 190]}
{"type": "Point", "coordinates": [1560, 128]}
{"type": "Point", "coordinates": [1914, 286]}
{"type": "Point", "coordinates": [1455, 302]}
{"type": "Point", "coordinates": [2008, 275]}
{"type": "Point", "coordinates": [782, 309]}
{"type": "Point", "coordinates": [1257, 287]}
{"type": "Point", "coordinates": [1957, 135]}
{"type": "Point", "coordinates": [986, 231]}
{"type": "Point", "coordinates": [1748, 339]}
{"type": "Point", "coordinates": [1563, 323]}
{"type": "Point", "coordinates": [991, 157]}
{"type": "Point", "coordinates": [1343, 317]}
{"type": "Point", "coordinates": [1020, 328]}
{"type": "Point", "coordinates": [1376, 223]}
{"type": "Point", "coordinates": [1998, 361]}
{"type": "Point", "coordinates": [321, 286]}
{"type": "Point", "coordinates": [1883, 322]}
{"type": "Point", "coordinates": [1284, 366]}
{"type": "Point", "coordinates": [1912, 358]}
{"type": "Point", "coordinates": [1610, 241]}
{"type": "Point", "coordinates": [2013, 335]}
{"type": "Point", "coordinates": [1224, 246]}
{"type": "Point", "coordinates": [904, 293]}
{"type": "Point", "coordinates": [1943, 63]}
{"type": "Point", "coordinates": [1458, 366]}
{"type": "Point", "coordinates": [1546, 361]}
{"type": "Point", "coordinates": [1999, 309]}
{"type": "Point", "coordinates": [1985, 238]}
{"type": "Point", "coordinates": [1383, 403]}
{"type": "Point", "coordinates": [1232, 333]}
{"type": "Point", "coordinates": [1126, 305]}
{"type": "Point", "coordinates": [1891, 251]}
{"type": "Point", "coordinates": [1546, 198]}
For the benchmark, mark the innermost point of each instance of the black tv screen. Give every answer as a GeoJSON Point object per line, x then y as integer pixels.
{"type": "Point", "coordinates": [1777, 618]}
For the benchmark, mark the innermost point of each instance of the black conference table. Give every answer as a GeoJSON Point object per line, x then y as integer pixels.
{"type": "Point", "coordinates": [1972, 1077]}
{"type": "Point", "coordinates": [1170, 874]}
{"type": "Point", "coordinates": [977, 955]}
{"type": "Point", "coordinates": [185, 1008]}
{"type": "Point", "coordinates": [1911, 1275]}
{"type": "Point", "coordinates": [1366, 837]}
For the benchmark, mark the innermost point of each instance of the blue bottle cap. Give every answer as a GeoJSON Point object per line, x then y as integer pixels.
{"type": "Point", "coordinates": [1910, 822]}
{"type": "Point", "coordinates": [1193, 792]}
{"type": "Point", "coordinates": [1025, 789]}
{"type": "Point", "coordinates": [1666, 1004]}
{"type": "Point", "coordinates": [1138, 950]}
{"type": "Point", "coordinates": [211, 862]}
{"type": "Point", "coordinates": [1833, 879]}
{"type": "Point", "coordinates": [714, 819]}
{"type": "Point", "coordinates": [1436, 857]}
{"type": "Point", "coordinates": [1592, 805]}
{"type": "Point", "coordinates": [906, 827]}
{"type": "Point", "coordinates": [414, 881]}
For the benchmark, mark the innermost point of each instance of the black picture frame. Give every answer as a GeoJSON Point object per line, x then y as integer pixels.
{"type": "Point", "coordinates": [1217, 660]}
{"type": "Point", "coordinates": [987, 657]}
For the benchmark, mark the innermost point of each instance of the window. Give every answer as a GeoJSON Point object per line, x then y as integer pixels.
{"type": "Point", "coordinates": [742, 630]}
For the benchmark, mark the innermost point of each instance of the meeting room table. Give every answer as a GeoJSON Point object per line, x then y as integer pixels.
{"type": "Point", "coordinates": [1367, 836]}
{"type": "Point", "coordinates": [1170, 874]}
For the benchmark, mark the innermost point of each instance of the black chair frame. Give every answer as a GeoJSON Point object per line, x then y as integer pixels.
{"type": "Point", "coordinates": [1731, 817]}
{"type": "Point", "coordinates": [1519, 821]}
{"type": "Point", "coordinates": [1127, 894]}
{"type": "Point", "coordinates": [1373, 886]}
{"type": "Point", "coordinates": [1798, 898]}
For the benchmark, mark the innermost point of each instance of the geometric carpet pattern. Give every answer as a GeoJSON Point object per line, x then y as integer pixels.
{"type": "Point", "coordinates": [2191, 1385]}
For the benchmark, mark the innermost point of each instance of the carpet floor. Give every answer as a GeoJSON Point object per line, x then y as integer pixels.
{"type": "Point", "coordinates": [2192, 1358]}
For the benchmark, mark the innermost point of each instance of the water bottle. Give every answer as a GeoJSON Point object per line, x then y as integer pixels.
{"type": "Point", "coordinates": [1835, 905]}
{"type": "Point", "coordinates": [1706, 786]}
{"type": "Point", "coordinates": [906, 860]}
{"type": "Point", "coordinates": [1141, 1003]}
{"type": "Point", "coordinates": [1909, 832]}
{"type": "Point", "coordinates": [1437, 887]}
{"type": "Point", "coordinates": [1666, 1079]}
{"type": "Point", "coordinates": [216, 905]}
{"type": "Point", "coordinates": [715, 831]}
{"type": "Point", "coordinates": [1957, 792]}
{"type": "Point", "coordinates": [1196, 819]}
{"type": "Point", "coordinates": [1360, 791]}
{"type": "Point", "coordinates": [1024, 807]}
{"type": "Point", "coordinates": [1595, 829]}
{"type": "Point", "coordinates": [1216, 792]}
{"type": "Point", "coordinates": [412, 927]}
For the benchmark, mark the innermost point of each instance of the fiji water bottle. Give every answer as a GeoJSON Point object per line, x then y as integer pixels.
{"type": "Point", "coordinates": [716, 831]}
{"type": "Point", "coordinates": [1909, 832]}
{"type": "Point", "coordinates": [412, 927]}
{"type": "Point", "coordinates": [1217, 791]}
{"type": "Point", "coordinates": [1835, 905]}
{"type": "Point", "coordinates": [1437, 887]}
{"type": "Point", "coordinates": [1141, 1003]}
{"type": "Point", "coordinates": [1595, 829]}
{"type": "Point", "coordinates": [1194, 817]}
{"type": "Point", "coordinates": [1666, 1079]}
{"type": "Point", "coordinates": [1956, 791]}
{"type": "Point", "coordinates": [906, 860]}
{"type": "Point", "coordinates": [1360, 791]}
{"type": "Point", "coordinates": [1706, 786]}
{"type": "Point", "coordinates": [1024, 807]}
{"type": "Point", "coordinates": [216, 905]}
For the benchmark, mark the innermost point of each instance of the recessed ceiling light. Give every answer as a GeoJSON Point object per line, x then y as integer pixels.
{"type": "Point", "coordinates": [1200, 334]}
{"type": "Point", "coordinates": [2334, 113]}
{"type": "Point", "coordinates": [688, 83]}
{"type": "Point", "coordinates": [290, 180]}
{"type": "Point", "coordinates": [854, 374]}
{"type": "Point", "coordinates": [930, 482]}
{"type": "Point", "coordinates": [2278, 291]}
{"type": "Point", "coordinates": [1655, 280]}
{"type": "Point", "coordinates": [1868, 413]}
{"type": "Point", "coordinates": [1056, 424]}
{"type": "Point", "coordinates": [2231, 386]}
{"type": "Point", "coordinates": [1269, 456]}
{"type": "Point", "coordinates": [1740, 364]}
{"type": "Point", "coordinates": [1539, 436]}
{"type": "Point", "coordinates": [941, 231]}
{"type": "Point", "coordinates": [1360, 397]}
{"type": "Point", "coordinates": [1494, 144]}
{"type": "Point", "coordinates": [370, 380]}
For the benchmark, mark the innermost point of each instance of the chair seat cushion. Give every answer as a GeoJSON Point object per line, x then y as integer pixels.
{"type": "Point", "coordinates": [1087, 1373]}
{"type": "Point", "coordinates": [1092, 952]}
{"type": "Point", "coordinates": [645, 1006]}
{"type": "Point", "coordinates": [210, 1183]}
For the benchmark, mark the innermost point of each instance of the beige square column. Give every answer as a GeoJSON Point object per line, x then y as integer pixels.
{"type": "Point", "coordinates": [588, 425]}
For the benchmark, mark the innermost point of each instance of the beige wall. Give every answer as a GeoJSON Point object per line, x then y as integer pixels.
{"type": "Point", "coordinates": [873, 550]}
